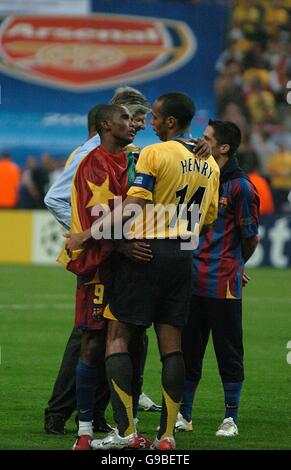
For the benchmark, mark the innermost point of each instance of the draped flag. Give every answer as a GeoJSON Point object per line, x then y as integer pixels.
{"type": "Point", "coordinates": [100, 177]}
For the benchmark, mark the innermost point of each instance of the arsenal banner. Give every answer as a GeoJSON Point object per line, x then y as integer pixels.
{"type": "Point", "coordinates": [55, 67]}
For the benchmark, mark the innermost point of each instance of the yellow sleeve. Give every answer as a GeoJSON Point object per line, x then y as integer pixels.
{"type": "Point", "coordinates": [212, 212]}
{"type": "Point", "coordinates": [146, 173]}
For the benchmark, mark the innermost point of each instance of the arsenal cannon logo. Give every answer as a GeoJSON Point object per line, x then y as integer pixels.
{"type": "Point", "coordinates": [91, 52]}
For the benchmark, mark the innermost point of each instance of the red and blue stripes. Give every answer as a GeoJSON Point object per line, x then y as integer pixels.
{"type": "Point", "coordinates": [218, 261]}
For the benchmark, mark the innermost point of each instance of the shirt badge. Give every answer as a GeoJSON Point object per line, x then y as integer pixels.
{"type": "Point", "coordinates": [223, 202]}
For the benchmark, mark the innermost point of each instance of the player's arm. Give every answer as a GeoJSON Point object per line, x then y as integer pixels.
{"type": "Point", "coordinates": [120, 217]}
{"type": "Point", "coordinates": [212, 211]}
{"type": "Point", "coordinates": [202, 148]}
{"type": "Point", "coordinates": [248, 246]}
{"type": "Point", "coordinates": [246, 209]}
{"type": "Point", "coordinates": [136, 250]}
{"type": "Point", "coordinates": [76, 240]}
{"type": "Point", "coordinates": [58, 198]}
{"type": "Point", "coordinates": [245, 279]}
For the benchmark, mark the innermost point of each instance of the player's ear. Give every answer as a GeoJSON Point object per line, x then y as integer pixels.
{"type": "Point", "coordinates": [224, 149]}
{"type": "Point", "coordinates": [106, 124]}
{"type": "Point", "coordinates": [171, 121]}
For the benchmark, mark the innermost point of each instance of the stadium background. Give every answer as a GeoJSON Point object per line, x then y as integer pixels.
{"type": "Point", "coordinates": [233, 58]}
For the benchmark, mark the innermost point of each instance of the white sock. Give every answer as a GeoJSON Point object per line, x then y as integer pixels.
{"type": "Point", "coordinates": [85, 427]}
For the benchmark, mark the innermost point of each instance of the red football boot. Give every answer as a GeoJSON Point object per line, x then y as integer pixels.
{"type": "Point", "coordinates": [167, 443]}
{"type": "Point", "coordinates": [83, 442]}
{"type": "Point", "coordinates": [140, 442]}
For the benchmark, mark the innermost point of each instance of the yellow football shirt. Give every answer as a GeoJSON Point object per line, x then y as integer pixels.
{"type": "Point", "coordinates": [173, 180]}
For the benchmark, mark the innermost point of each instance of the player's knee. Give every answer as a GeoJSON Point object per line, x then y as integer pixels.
{"type": "Point", "coordinates": [118, 337]}
{"type": "Point", "coordinates": [93, 348]}
{"type": "Point", "coordinates": [116, 345]}
{"type": "Point", "coordinates": [169, 338]}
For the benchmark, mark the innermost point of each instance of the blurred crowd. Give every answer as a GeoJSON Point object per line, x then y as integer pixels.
{"type": "Point", "coordinates": [251, 90]}
{"type": "Point", "coordinates": [26, 189]}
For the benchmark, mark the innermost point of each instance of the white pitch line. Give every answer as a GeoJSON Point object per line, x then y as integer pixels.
{"type": "Point", "coordinates": [50, 295]}
{"type": "Point", "coordinates": [35, 306]}
{"type": "Point", "coordinates": [39, 295]}
{"type": "Point", "coordinates": [277, 300]}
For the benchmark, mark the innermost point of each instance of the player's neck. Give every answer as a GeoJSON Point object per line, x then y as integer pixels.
{"type": "Point", "coordinates": [112, 146]}
{"type": "Point", "coordinates": [178, 134]}
{"type": "Point", "coordinates": [221, 160]}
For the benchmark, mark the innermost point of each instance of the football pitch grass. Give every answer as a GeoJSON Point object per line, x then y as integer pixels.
{"type": "Point", "coordinates": [36, 311]}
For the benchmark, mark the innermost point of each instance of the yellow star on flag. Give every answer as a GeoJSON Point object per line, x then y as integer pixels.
{"type": "Point", "coordinates": [101, 194]}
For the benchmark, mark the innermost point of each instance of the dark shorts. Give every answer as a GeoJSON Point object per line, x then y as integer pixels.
{"type": "Point", "coordinates": [92, 298]}
{"type": "Point", "coordinates": [158, 292]}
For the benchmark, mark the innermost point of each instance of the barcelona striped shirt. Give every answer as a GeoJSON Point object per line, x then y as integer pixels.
{"type": "Point", "coordinates": [218, 261]}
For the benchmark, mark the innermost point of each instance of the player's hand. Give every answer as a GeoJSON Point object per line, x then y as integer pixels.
{"type": "Point", "coordinates": [137, 251]}
{"type": "Point", "coordinates": [245, 279]}
{"type": "Point", "coordinates": [74, 241]}
{"type": "Point", "coordinates": [202, 148]}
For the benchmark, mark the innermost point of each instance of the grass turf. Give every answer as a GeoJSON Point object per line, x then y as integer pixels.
{"type": "Point", "coordinates": [36, 308]}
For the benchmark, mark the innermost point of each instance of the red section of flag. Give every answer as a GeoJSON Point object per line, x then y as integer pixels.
{"type": "Point", "coordinates": [95, 169]}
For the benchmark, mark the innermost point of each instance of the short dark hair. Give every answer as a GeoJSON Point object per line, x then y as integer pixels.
{"type": "Point", "coordinates": [226, 132]}
{"type": "Point", "coordinates": [178, 105]}
{"type": "Point", "coordinates": [105, 112]}
{"type": "Point", "coordinates": [92, 119]}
